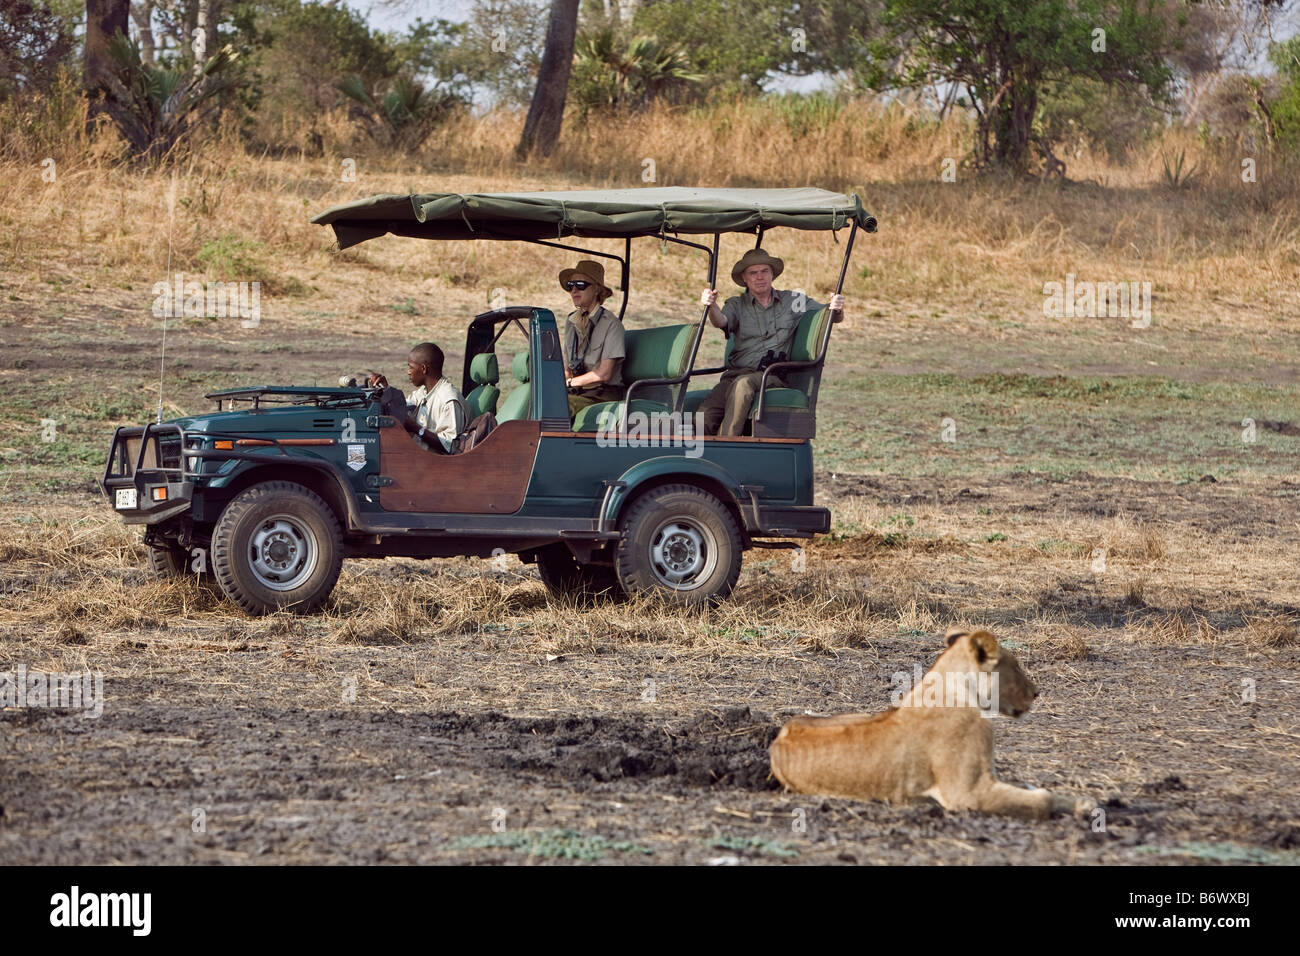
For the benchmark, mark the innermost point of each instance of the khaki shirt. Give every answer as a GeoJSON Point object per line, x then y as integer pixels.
{"type": "Point", "coordinates": [758, 329]}
{"type": "Point", "coordinates": [440, 410]}
{"type": "Point", "coordinates": [604, 341]}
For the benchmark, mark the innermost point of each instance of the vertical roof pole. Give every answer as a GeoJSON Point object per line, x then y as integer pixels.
{"type": "Point", "coordinates": [627, 274]}
{"type": "Point", "coordinates": [699, 332]}
{"type": "Point", "coordinates": [848, 251]}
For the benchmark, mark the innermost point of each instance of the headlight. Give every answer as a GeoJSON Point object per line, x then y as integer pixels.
{"type": "Point", "coordinates": [192, 463]}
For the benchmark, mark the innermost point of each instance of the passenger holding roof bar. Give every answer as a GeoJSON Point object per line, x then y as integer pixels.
{"type": "Point", "coordinates": [763, 321]}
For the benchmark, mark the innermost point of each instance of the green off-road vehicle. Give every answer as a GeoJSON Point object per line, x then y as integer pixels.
{"type": "Point", "coordinates": [269, 493]}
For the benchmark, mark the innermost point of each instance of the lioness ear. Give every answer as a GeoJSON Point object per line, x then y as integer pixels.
{"type": "Point", "coordinates": [954, 633]}
{"type": "Point", "coordinates": [984, 646]}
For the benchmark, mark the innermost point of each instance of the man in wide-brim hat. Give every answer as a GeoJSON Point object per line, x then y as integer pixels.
{"type": "Point", "coordinates": [593, 339]}
{"type": "Point", "coordinates": [762, 321]}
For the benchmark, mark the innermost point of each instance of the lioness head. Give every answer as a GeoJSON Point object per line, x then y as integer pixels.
{"type": "Point", "coordinates": [1016, 692]}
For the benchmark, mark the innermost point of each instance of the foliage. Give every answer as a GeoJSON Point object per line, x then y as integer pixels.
{"type": "Point", "coordinates": [501, 48]}
{"type": "Point", "coordinates": [309, 46]}
{"type": "Point", "coordinates": [1002, 53]}
{"type": "Point", "coordinates": [1286, 108]}
{"type": "Point", "coordinates": [1077, 111]}
{"type": "Point", "coordinates": [834, 35]}
{"type": "Point", "coordinates": [615, 72]}
{"type": "Point", "coordinates": [154, 107]}
{"type": "Point", "coordinates": [401, 117]}
{"type": "Point", "coordinates": [34, 42]}
{"type": "Point", "coordinates": [734, 43]}
{"type": "Point", "coordinates": [1175, 173]}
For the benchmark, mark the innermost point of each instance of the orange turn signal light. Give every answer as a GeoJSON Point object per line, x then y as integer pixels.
{"type": "Point", "coordinates": [226, 445]}
{"type": "Point", "coordinates": [160, 494]}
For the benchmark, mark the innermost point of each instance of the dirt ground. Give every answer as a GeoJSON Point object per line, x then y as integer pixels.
{"type": "Point", "coordinates": [491, 726]}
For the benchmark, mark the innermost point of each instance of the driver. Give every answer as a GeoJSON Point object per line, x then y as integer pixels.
{"type": "Point", "coordinates": [593, 339]}
{"type": "Point", "coordinates": [435, 413]}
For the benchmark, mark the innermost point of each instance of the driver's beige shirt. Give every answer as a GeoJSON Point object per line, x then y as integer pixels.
{"type": "Point", "coordinates": [441, 410]}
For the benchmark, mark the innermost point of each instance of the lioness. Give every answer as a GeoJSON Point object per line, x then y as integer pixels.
{"type": "Point", "coordinates": [920, 749]}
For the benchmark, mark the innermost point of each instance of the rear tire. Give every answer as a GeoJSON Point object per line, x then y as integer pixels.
{"type": "Point", "coordinates": [277, 545]}
{"type": "Point", "coordinates": [681, 541]}
{"type": "Point", "coordinates": [566, 578]}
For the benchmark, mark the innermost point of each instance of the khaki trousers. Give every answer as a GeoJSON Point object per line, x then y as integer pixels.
{"type": "Point", "coordinates": [727, 407]}
{"type": "Point", "coordinates": [594, 396]}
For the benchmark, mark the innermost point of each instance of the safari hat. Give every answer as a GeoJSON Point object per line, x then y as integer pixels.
{"type": "Point", "coordinates": [592, 270]}
{"type": "Point", "coordinates": [755, 257]}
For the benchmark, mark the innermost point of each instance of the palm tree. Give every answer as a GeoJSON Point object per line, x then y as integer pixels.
{"type": "Point", "coordinates": [628, 74]}
{"type": "Point", "coordinates": [154, 107]}
{"type": "Point", "coordinates": [404, 116]}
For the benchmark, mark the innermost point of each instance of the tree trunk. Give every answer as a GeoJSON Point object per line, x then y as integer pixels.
{"type": "Point", "coordinates": [200, 36]}
{"type": "Point", "coordinates": [142, 14]}
{"type": "Point", "coordinates": [104, 18]}
{"type": "Point", "coordinates": [1013, 122]}
{"type": "Point", "coordinates": [546, 114]}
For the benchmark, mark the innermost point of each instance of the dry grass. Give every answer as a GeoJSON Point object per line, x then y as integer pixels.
{"type": "Point", "coordinates": [982, 240]}
{"type": "Point", "coordinates": [1273, 630]}
{"type": "Point", "coordinates": [76, 579]}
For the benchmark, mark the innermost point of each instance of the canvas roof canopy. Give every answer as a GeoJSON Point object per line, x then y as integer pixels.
{"type": "Point", "coordinates": [592, 214]}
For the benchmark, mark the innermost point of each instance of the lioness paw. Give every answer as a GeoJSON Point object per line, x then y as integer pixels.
{"type": "Point", "coordinates": [1075, 806]}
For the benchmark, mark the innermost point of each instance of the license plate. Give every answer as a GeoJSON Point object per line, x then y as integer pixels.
{"type": "Point", "coordinates": [125, 498]}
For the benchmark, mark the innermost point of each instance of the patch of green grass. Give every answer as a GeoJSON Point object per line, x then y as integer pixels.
{"type": "Point", "coordinates": [235, 259]}
{"type": "Point", "coordinates": [745, 635]}
{"type": "Point", "coordinates": [1051, 428]}
{"type": "Point", "coordinates": [406, 307]}
{"type": "Point", "coordinates": [1226, 853]}
{"type": "Point", "coordinates": [754, 844]}
{"type": "Point", "coordinates": [553, 843]}
{"type": "Point", "coordinates": [995, 537]}
{"type": "Point", "coordinates": [1055, 545]}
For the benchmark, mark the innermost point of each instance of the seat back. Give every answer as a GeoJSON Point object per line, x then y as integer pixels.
{"type": "Point", "coordinates": [804, 348]}
{"type": "Point", "coordinates": [484, 372]}
{"type": "Point", "coordinates": [519, 403]}
{"type": "Point", "coordinates": [657, 353]}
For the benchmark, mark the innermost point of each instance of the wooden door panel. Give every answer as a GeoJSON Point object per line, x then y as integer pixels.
{"type": "Point", "coordinates": [490, 479]}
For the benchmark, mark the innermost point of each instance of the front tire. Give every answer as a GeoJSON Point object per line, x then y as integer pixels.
{"type": "Point", "coordinates": [565, 577]}
{"type": "Point", "coordinates": [682, 541]}
{"type": "Point", "coordinates": [170, 560]}
{"type": "Point", "coordinates": [277, 545]}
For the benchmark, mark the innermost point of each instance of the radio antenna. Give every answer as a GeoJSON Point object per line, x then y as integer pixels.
{"type": "Point", "coordinates": [162, 357]}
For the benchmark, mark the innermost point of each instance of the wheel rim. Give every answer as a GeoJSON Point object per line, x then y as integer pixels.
{"type": "Point", "coordinates": [282, 552]}
{"type": "Point", "coordinates": [683, 554]}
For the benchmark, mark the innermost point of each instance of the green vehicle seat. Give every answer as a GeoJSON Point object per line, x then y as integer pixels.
{"type": "Point", "coordinates": [519, 403]}
{"type": "Point", "coordinates": [803, 382]}
{"type": "Point", "coordinates": [651, 354]}
{"type": "Point", "coordinates": [483, 370]}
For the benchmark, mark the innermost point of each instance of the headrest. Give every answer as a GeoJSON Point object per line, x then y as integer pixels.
{"type": "Point", "coordinates": [483, 370]}
{"type": "Point", "coordinates": [520, 366]}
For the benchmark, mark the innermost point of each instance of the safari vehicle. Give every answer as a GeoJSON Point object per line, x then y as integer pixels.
{"type": "Point", "coordinates": [269, 493]}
